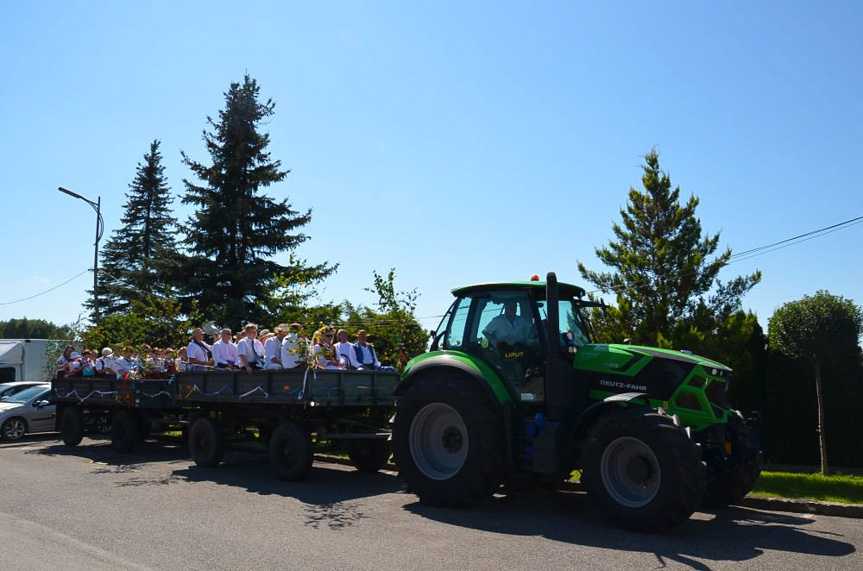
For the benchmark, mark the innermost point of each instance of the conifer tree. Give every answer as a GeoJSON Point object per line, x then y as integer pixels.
{"type": "Point", "coordinates": [136, 257]}
{"type": "Point", "coordinates": [236, 229]}
{"type": "Point", "coordinates": [662, 275]}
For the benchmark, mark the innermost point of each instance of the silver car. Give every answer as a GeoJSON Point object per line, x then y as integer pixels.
{"type": "Point", "coordinates": [7, 389]}
{"type": "Point", "coordinates": [26, 411]}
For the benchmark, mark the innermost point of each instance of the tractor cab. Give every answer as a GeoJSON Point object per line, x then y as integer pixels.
{"type": "Point", "coordinates": [505, 325]}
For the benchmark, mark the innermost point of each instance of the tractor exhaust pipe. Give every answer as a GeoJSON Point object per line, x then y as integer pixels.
{"type": "Point", "coordinates": [558, 365]}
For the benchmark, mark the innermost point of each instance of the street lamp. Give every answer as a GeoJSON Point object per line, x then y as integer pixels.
{"type": "Point", "coordinates": [100, 228]}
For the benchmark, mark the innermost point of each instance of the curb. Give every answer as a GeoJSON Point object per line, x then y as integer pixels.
{"type": "Point", "coordinates": [801, 506]}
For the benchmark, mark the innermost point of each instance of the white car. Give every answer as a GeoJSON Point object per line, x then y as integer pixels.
{"type": "Point", "coordinates": [26, 411]}
{"type": "Point", "coordinates": [7, 389]}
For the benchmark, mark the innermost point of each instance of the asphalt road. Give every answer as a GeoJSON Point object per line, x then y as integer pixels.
{"type": "Point", "coordinates": [90, 508]}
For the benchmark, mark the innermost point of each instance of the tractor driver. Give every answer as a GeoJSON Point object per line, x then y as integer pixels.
{"type": "Point", "coordinates": [509, 328]}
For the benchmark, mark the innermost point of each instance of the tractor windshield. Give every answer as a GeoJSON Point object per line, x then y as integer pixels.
{"type": "Point", "coordinates": [574, 328]}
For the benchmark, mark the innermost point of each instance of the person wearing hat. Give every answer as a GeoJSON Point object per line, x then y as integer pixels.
{"type": "Point", "coordinates": [250, 351]}
{"type": "Point", "coordinates": [364, 357]}
{"type": "Point", "coordinates": [291, 351]}
{"type": "Point", "coordinates": [323, 352]}
{"type": "Point", "coordinates": [75, 365]}
{"type": "Point", "coordinates": [225, 352]}
{"type": "Point", "coordinates": [106, 365]}
{"type": "Point", "coordinates": [273, 348]}
{"type": "Point", "coordinates": [344, 349]}
{"type": "Point", "coordinates": [197, 351]}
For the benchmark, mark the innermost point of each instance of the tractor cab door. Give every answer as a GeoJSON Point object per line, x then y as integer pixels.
{"type": "Point", "coordinates": [500, 328]}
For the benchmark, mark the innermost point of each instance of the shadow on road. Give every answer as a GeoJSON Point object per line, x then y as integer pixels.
{"type": "Point", "coordinates": [100, 452]}
{"type": "Point", "coordinates": [727, 535]}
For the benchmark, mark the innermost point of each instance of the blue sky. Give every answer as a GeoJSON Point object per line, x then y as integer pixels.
{"type": "Point", "coordinates": [457, 142]}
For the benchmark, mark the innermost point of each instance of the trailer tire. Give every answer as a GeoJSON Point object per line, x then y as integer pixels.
{"type": "Point", "coordinates": [448, 441]}
{"type": "Point", "coordinates": [642, 470]}
{"type": "Point", "coordinates": [369, 455]}
{"type": "Point", "coordinates": [206, 442]}
{"type": "Point", "coordinates": [124, 431]}
{"type": "Point", "coordinates": [72, 426]}
{"type": "Point", "coordinates": [290, 451]}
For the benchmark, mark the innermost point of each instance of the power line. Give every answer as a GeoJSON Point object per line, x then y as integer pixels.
{"type": "Point", "coordinates": [47, 290]}
{"type": "Point", "coordinates": [765, 249]}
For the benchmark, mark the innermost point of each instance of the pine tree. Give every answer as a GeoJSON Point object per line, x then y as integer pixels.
{"type": "Point", "coordinates": [137, 256]}
{"type": "Point", "coordinates": [236, 230]}
{"type": "Point", "coordinates": [663, 276]}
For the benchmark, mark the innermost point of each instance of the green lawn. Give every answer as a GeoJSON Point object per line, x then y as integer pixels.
{"type": "Point", "coordinates": [839, 488]}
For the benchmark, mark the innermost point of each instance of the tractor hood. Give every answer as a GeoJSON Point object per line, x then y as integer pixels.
{"type": "Point", "coordinates": [657, 372]}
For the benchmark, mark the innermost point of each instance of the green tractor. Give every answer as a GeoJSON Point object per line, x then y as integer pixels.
{"type": "Point", "coordinates": [513, 390]}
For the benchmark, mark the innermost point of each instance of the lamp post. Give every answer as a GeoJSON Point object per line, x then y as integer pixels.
{"type": "Point", "coordinates": [100, 228]}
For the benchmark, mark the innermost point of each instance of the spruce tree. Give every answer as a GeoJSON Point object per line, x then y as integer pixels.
{"type": "Point", "coordinates": [662, 275]}
{"type": "Point", "coordinates": [236, 229]}
{"type": "Point", "coordinates": [136, 258]}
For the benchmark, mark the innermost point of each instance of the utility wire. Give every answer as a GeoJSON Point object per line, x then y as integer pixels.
{"type": "Point", "coordinates": [761, 250]}
{"type": "Point", "coordinates": [47, 290]}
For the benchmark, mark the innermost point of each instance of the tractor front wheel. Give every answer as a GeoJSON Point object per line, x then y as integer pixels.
{"type": "Point", "coordinates": [642, 470]}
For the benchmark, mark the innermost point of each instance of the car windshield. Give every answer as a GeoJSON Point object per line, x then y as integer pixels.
{"type": "Point", "coordinates": [25, 395]}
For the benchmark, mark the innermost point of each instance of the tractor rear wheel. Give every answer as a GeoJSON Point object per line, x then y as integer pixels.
{"type": "Point", "coordinates": [642, 470]}
{"type": "Point", "coordinates": [448, 441]}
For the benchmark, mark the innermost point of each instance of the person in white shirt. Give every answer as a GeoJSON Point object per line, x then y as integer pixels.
{"type": "Point", "coordinates": [362, 354]}
{"type": "Point", "coordinates": [293, 347]}
{"type": "Point", "coordinates": [124, 364]}
{"type": "Point", "coordinates": [62, 362]}
{"type": "Point", "coordinates": [106, 365]}
{"type": "Point", "coordinates": [197, 351]}
{"type": "Point", "coordinates": [250, 351]}
{"type": "Point", "coordinates": [225, 352]}
{"type": "Point", "coordinates": [323, 352]}
{"type": "Point", "coordinates": [508, 328]}
{"type": "Point", "coordinates": [273, 348]}
{"type": "Point", "coordinates": [344, 349]}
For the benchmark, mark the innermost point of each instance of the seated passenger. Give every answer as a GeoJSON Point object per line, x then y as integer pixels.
{"type": "Point", "coordinates": [363, 354]}
{"type": "Point", "coordinates": [273, 348]}
{"type": "Point", "coordinates": [292, 352]}
{"type": "Point", "coordinates": [106, 365]}
{"type": "Point", "coordinates": [250, 351]}
{"type": "Point", "coordinates": [225, 352]}
{"type": "Point", "coordinates": [344, 349]}
{"type": "Point", "coordinates": [124, 363]}
{"type": "Point", "coordinates": [61, 368]}
{"type": "Point", "coordinates": [323, 353]}
{"type": "Point", "coordinates": [75, 365]}
{"type": "Point", "coordinates": [197, 351]}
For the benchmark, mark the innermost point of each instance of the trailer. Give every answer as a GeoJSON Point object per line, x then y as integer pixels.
{"type": "Point", "coordinates": [286, 411]}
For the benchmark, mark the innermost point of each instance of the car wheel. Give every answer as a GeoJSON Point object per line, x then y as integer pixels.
{"type": "Point", "coordinates": [13, 429]}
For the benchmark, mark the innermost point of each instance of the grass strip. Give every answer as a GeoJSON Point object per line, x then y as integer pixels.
{"type": "Point", "coordinates": [845, 489]}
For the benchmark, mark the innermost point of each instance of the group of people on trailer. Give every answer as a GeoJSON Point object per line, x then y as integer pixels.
{"type": "Point", "coordinates": [284, 348]}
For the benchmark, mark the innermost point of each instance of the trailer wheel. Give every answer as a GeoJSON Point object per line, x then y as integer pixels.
{"type": "Point", "coordinates": [448, 441]}
{"type": "Point", "coordinates": [206, 442]}
{"type": "Point", "coordinates": [369, 455]}
{"type": "Point", "coordinates": [124, 431]}
{"type": "Point", "coordinates": [72, 426]}
{"type": "Point", "coordinates": [642, 470]}
{"type": "Point", "coordinates": [290, 451]}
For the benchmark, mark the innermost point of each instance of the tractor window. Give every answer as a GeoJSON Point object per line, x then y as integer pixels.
{"type": "Point", "coordinates": [455, 334]}
{"type": "Point", "coordinates": [571, 321]}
